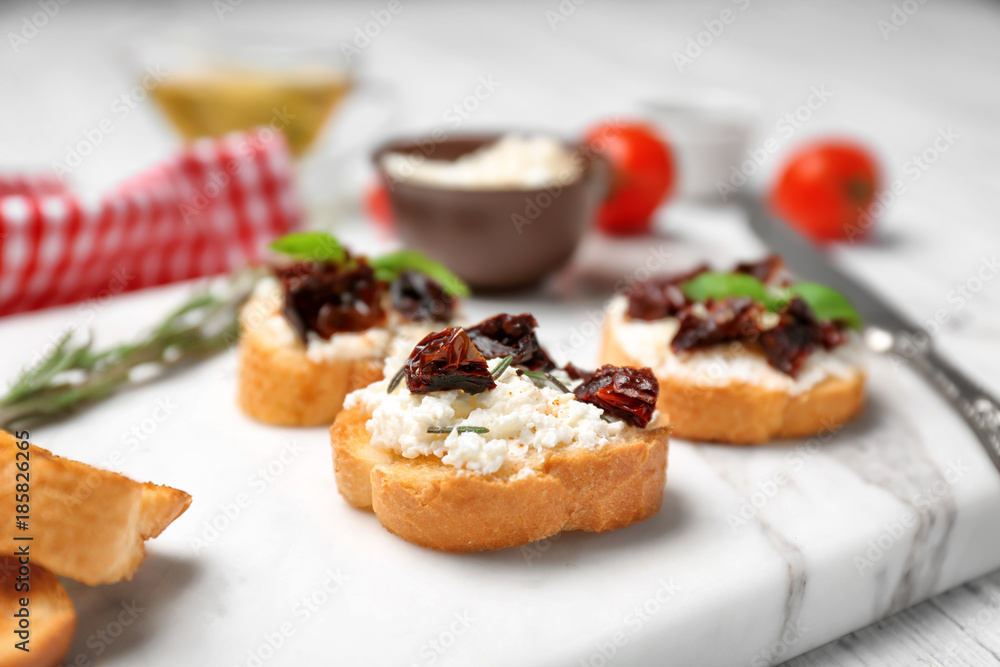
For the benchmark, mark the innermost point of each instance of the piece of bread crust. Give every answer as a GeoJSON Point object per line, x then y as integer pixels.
{"type": "Point", "coordinates": [87, 524]}
{"type": "Point", "coordinates": [280, 385]}
{"type": "Point", "coordinates": [435, 505]}
{"type": "Point", "coordinates": [51, 616]}
{"type": "Point", "coordinates": [745, 414]}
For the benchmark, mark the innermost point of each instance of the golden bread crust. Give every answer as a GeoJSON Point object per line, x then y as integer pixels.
{"type": "Point", "coordinates": [744, 414]}
{"type": "Point", "coordinates": [280, 385]}
{"type": "Point", "coordinates": [435, 505]}
{"type": "Point", "coordinates": [52, 617]}
{"type": "Point", "coordinates": [87, 524]}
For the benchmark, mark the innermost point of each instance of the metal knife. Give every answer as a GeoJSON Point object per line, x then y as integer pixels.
{"type": "Point", "coordinates": [886, 331]}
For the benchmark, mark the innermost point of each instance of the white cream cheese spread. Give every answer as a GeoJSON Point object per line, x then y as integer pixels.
{"type": "Point", "coordinates": [649, 343]}
{"type": "Point", "coordinates": [524, 421]}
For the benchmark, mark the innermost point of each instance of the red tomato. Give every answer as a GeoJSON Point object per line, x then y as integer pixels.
{"type": "Point", "coordinates": [826, 190]}
{"type": "Point", "coordinates": [377, 205]}
{"type": "Point", "coordinates": [642, 178]}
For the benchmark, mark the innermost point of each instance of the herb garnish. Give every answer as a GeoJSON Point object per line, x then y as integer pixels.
{"type": "Point", "coordinates": [387, 267]}
{"type": "Point", "coordinates": [459, 429]}
{"type": "Point", "coordinates": [310, 246]}
{"type": "Point", "coordinates": [502, 366]}
{"type": "Point", "coordinates": [74, 374]}
{"type": "Point", "coordinates": [324, 247]}
{"type": "Point", "coordinates": [826, 303]}
{"type": "Point", "coordinates": [394, 382]}
{"type": "Point", "coordinates": [541, 377]}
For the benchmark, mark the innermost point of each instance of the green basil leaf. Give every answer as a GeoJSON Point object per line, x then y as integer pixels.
{"type": "Point", "coordinates": [388, 267]}
{"type": "Point", "coordinates": [310, 246]}
{"type": "Point", "coordinates": [827, 303]}
{"type": "Point", "coordinates": [723, 285]}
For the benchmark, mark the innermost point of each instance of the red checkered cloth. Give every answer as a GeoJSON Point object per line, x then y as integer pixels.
{"type": "Point", "coordinates": [211, 209]}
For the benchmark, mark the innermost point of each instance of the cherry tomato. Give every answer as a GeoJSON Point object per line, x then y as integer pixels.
{"type": "Point", "coordinates": [826, 190]}
{"type": "Point", "coordinates": [642, 175]}
{"type": "Point", "coordinates": [377, 206]}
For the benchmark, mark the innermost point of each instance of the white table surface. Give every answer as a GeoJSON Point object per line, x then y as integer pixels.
{"type": "Point", "coordinates": [938, 70]}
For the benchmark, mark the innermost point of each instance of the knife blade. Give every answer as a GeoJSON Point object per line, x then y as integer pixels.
{"type": "Point", "coordinates": [885, 329]}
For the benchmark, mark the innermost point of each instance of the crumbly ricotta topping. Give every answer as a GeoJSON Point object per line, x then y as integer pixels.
{"type": "Point", "coordinates": [649, 343]}
{"type": "Point", "coordinates": [524, 420]}
{"type": "Point", "coordinates": [512, 162]}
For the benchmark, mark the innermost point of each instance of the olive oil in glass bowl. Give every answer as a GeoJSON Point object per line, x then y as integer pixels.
{"type": "Point", "coordinates": [222, 82]}
{"type": "Point", "coordinates": [213, 101]}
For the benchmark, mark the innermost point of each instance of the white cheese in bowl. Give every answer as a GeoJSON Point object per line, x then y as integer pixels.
{"type": "Point", "coordinates": [514, 162]}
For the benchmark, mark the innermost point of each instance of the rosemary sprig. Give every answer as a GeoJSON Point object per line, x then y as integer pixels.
{"type": "Point", "coordinates": [541, 377]}
{"type": "Point", "coordinates": [460, 429]}
{"type": "Point", "coordinates": [502, 366]}
{"type": "Point", "coordinates": [75, 374]}
{"type": "Point", "coordinates": [394, 382]}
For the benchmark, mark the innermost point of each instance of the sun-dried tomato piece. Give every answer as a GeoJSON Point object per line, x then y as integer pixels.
{"type": "Point", "coordinates": [832, 334]}
{"type": "Point", "coordinates": [576, 373]}
{"type": "Point", "coordinates": [627, 393]}
{"type": "Point", "coordinates": [660, 297]}
{"type": "Point", "coordinates": [420, 298]}
{"type": "Point", "coordinates": [713, 322]}
{"type": "Point", "coordinates": [786, 345]}
{"type": "Point", "coordinates": [328, 298]}
{"type": "Point", "coordinates": [447, 360]}
{"type": "Point", "coordinates": [798, 333]}
{"type": "Point", "coordinates": [770, 270]}
{"type": "Point", "coordinates": [513, 335]}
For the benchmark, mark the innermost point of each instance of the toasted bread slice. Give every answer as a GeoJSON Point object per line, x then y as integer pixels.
{"type": "Point", "coordinates": [280, 384]}
{"type": "Point", "coordinates": [740, 413]}
{"type": "Point", "coordinates": [86, 524]}
{"type": "Point", "coordinates": [435, 505]}
{"type": "Point", "coordinates": [51, 617]}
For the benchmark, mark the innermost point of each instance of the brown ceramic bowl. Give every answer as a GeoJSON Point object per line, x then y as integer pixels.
{"type": "Point", "coordinates": [492, 239]}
